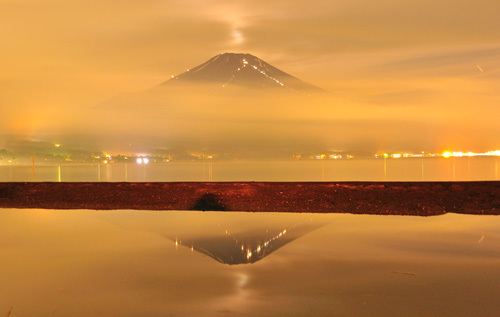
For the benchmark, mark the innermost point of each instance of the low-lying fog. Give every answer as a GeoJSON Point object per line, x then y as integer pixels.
{"type": "Point", "coordinates": [232, 119]}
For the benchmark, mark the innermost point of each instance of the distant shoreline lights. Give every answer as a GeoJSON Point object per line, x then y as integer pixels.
{"type": "Point", "coordinates": [446, 154]}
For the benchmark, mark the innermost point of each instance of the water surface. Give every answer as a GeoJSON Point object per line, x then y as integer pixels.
{"type": "Point", "coordinates": [149, 263]}
{"type": "Point", "coordinates": [406, 169]}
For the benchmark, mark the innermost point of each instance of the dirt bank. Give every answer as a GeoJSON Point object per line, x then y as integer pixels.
{"type": "Point", "coordinates": [386, 198]}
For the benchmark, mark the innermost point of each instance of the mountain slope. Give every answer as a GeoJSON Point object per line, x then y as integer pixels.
{"type": "Point", "coordinates": [245, 70]}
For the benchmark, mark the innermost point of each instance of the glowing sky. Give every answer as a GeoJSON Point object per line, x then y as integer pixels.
{"type": "Point", "coordinates": [398, 57]}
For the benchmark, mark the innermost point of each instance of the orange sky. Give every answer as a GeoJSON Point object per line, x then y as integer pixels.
{"type": "Point", "coordinates": [434, 62]}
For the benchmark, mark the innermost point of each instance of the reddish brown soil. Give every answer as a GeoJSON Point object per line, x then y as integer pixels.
{"type": "Point", "coordinates": [388, 198]}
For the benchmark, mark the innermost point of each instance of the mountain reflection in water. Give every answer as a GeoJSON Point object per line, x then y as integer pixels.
{"type": "Point", "coordinates": [247, 247]}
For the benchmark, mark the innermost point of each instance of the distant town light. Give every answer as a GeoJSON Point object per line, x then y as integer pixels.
{"type": "Point", "coordinates": [447, 154]}
{"type": "Point", "coordinates": [139, 160]}
{"type": "Point", "coordinates": [57, 145]}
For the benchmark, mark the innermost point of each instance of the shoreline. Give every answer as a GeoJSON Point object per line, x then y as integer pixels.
{"type": "Point", "coordinates": [380, 198]}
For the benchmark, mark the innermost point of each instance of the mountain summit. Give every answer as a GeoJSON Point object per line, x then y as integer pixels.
{"type": "Point", "coordinates": [246, 70]}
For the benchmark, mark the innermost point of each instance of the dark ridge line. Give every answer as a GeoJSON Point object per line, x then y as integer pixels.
{"type": "Point", "coordinates": [380, 198]}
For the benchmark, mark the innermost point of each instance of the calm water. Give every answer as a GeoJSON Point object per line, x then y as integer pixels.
{"type": "Point", "coordinates": [412, 169]}
{"type": "Point", "coordinates": [179, 263]}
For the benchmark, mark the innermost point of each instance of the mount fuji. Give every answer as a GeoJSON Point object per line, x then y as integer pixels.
{"type": "Point", "coordinates": [225, 78]}
{"type": "Point", "coordinates": [243, 70]}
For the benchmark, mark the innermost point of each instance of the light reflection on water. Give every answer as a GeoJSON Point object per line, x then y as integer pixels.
{"type": "Point", "coordinates": [125, 263]}
{"type": "Point", "coordinates": [409, 169]}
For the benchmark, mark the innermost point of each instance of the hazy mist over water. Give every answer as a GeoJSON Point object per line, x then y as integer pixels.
{"type": "Point", "coordinates": [266, 124]}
